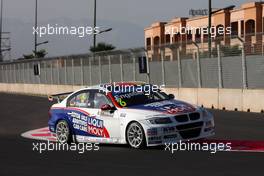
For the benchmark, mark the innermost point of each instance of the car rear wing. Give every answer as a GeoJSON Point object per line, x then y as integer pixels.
{"type": "Point", "coordinates": [59, 97]}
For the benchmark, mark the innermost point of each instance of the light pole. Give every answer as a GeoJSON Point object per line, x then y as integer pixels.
{"type": "Point", "coordinates": [209, 28]}
{"type": "Point", "coordinates": [36, 44]}
{"type": "Point", "coordinates": [210, 13]}
{"type": "Point", "coordinates": [7, 49]}
{"type": "Point", "coordinates": [1, 31]}
{"type": "Point", "coordinates": [94, 35]}
{"type": "Point", "coordinates": [100, 32]}
{"type": "Point", "coordinates": [36, 25]}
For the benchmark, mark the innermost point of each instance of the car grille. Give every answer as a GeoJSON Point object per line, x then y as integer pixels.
{"type": "Point", "coordinates": [191, 130]}
{"type": "Point", "coordinates": [194, 116]}
{"type": "Point", "coordinates": [185, 118]}
{"type": "Point", "coordinates": [182, 118]}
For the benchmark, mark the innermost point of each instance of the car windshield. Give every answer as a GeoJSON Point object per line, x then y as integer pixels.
{"type": "Point", "coordinates": [127, 99]}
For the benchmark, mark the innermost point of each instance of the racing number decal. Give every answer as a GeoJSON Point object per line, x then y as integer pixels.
{"type": "Point", "coordinates": [122, 103]}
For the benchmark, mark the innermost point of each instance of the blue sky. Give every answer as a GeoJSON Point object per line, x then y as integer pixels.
{"type": "Point", "coordinates": [127, 18]}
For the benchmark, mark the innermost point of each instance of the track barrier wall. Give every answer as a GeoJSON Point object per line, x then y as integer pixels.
{"type": "Point", "coordinates": [227, 99]}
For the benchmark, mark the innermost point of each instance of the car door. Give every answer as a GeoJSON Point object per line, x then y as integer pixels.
{"type": "Point", "coordinates": [79, 112]}
{"type": "Point", "coordinates": [110, 118]}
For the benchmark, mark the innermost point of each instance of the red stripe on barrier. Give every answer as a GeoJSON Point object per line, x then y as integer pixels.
{"type": "Point", "coordinates": [240, 145]}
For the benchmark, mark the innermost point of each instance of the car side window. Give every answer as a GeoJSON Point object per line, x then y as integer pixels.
{"type": "Point", "coordinates": [100, 100]}
{"type": "Point", "coordinates": [80, 100]}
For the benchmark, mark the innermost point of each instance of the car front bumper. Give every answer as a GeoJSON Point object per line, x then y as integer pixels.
{"type": "Point", "coordinates": [174, 133]}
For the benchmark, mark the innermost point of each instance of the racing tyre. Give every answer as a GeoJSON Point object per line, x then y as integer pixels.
{"type": "Point", "coordinates": [63, 132]}
{"type": "Point", "coordinates": [135, 135]}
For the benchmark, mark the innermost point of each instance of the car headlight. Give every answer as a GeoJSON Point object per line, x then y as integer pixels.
{"type": "Point", "coordinates": [205, 113]}
{"type": "Point", "coordinates": [160, 120]}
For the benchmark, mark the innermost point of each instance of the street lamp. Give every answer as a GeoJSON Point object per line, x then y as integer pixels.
{"type": "Point", "coordinates": [210, 13]}
{"type": "Point", "coordinates": [106, 30]}
{"type": "Point", "coordinates": [42, 43]}
{"type": "Point", "coordinates": [94, 36]}
{"type": "Point", "coordinates": [7, 49]}
{"type": "Point", "coordinates": [3, 50]}
{"type": "Point", "coordinates": [95, 18]}
{"type": "Point", "coordinates": [36, 25]}
{"type": "Point", "coordinates": [36, 35]}
{"type": "Point", "coordinates": [209, 28]}
{"type": "Point", "coordinates": [1, 30]}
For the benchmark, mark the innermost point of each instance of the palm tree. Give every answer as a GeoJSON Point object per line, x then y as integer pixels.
{"type": "Point", "coordinates": [102, 47]}
{"type": "Point", "coordinates": [39, 54]}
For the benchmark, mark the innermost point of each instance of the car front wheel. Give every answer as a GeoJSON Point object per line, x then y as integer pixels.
{"type": "Point", "coordinates": [63, 132]}
{"type": "Point", "coordinates": [135, 135]}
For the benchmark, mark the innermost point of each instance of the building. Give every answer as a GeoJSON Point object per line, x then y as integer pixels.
{"type": "Point", "coordinates": [246, 22]}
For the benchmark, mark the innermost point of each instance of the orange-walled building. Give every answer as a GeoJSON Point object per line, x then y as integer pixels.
{"type": "Point", "coordinates": [246, 22]}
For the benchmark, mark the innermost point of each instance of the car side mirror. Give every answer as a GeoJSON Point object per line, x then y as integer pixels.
{"type": "Point", "coordinates": [171, 96]}
{"type": "Point", "coordinates": [106, 107]}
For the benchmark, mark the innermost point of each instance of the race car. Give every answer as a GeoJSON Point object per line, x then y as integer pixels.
{"type": "Point", "coordinates": [127, 113]}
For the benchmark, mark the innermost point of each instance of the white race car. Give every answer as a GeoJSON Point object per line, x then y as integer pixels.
{"type": "Point", "coordinates": [127, 113]}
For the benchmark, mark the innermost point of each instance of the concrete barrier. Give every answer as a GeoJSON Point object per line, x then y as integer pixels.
{"type": "Point", "coordinates": [189, 95]}
{"type": "Point", "coordinates": [208, 98]}
{"type": "Point", "coordinates": [229, 99]}
{"type": "Point", "coordinates": [37, 89]}
{"type": "Point", "coordinates": [253, 100]}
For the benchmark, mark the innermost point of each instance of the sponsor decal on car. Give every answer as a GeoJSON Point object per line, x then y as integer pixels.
{"type": "Point", "coordinates": [88, 124]}
{"type": "Point", "coordinates": [170, 107]}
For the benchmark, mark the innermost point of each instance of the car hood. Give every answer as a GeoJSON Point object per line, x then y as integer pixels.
{"type": "Point", "coordinates": [169, 107]}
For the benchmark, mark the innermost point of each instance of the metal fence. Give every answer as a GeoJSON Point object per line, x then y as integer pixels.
{"type": "Point", "coordinates": [237, 65]}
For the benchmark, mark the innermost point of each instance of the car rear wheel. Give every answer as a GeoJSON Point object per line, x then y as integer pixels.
{"type": "Point", "coordinates": [63, 132]}
{"type": "Point", "coordinates": [135, 135]}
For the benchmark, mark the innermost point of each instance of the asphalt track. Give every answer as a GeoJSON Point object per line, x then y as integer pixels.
{"type": "Point", "coordinates": [20, 113]}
